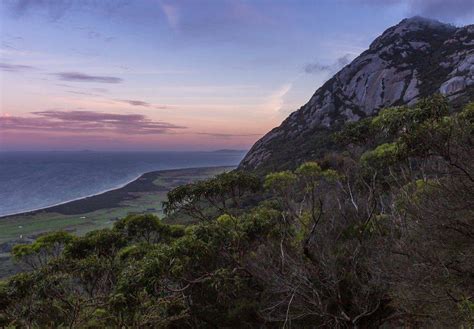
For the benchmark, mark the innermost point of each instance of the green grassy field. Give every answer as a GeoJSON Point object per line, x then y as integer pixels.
{"type": "Point", "coordinates": [144, 195]}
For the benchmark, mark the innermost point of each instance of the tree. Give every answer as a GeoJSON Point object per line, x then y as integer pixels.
{"type": "Point", "coordinates": [43, 250]}
{"type": "Point", "coordinates": [223, 194]}
{"type": "Point", "coordinates": [147, 228]}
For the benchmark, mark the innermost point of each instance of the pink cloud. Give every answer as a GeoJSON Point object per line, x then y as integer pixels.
{"type": "Point", "coordinates": [82, 77]}
{"type": "Point", "coordinates": [87, 122]}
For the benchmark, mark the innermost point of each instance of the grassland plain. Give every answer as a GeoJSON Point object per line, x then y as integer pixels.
{"type": "Point", "coordinates": [143, 195]}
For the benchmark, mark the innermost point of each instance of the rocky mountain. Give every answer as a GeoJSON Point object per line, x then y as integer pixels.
{"type": "Point", "coordinates": [415, 58]}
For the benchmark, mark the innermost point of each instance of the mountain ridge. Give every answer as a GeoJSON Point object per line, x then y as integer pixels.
{"type": "Point", "coordinates": [411, 60]}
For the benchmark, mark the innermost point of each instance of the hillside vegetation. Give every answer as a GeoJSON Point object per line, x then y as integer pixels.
{"type": "Point", "coordinates": [381, 234]}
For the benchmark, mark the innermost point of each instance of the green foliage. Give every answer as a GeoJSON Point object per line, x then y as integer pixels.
{"type": "Point", "coordinates": [280, 181]}
{"type": "Point", "coordinates": [309, 169]}
{"type": "Point", "coordinates": [466, 307]}
{"type": "Point", "coordinates": [45, 243]}
{"type": "Point", "coordinates": [224, 193]}
{"type": "Point", "coordinates": [147, 228]}
{"type": "Point", "coordinates": [384, 155]}
{"type": "Point", "coordinates": [393, 122]}
{"type": "Point", "coordinates": [43, 250]}
{"type": "Point", "coordinates": [312, 172]}
{"type": "Point", "coordinates": [103, 243]}
{"type": "Point", "coordinates": [358, 132]}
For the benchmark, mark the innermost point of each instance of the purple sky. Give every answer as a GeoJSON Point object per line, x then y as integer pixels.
{"type": "Point", "coordinates": [177, 75]}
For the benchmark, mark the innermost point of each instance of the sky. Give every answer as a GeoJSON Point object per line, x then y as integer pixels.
{"type": "Point", "coordinates": [177, 75]}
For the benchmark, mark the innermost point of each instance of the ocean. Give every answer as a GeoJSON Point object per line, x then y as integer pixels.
{"type": "Point", "coordinates": [35, 180]}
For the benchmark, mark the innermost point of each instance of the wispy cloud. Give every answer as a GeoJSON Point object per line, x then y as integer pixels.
{"type": "Point", "coordinates": [276, 100]}
{"type": "Point", "coordinates": [134, 102]}
{"type": "Point", "coordinates": [228, 135]}
{"type": "Point", "coordinates": [84, 93]}
{"type": "Point", "coordinates": [95, 90]}
{"type": "Point", "coordinates": [56, 9]}
{"type": "Point", "coordinates": [8, 45]}
{"type": "Point", "coordinates": [81, 77]}
{"type": "Point", "coordinates": [171, 12]}
{"type": "Point", "coordinates": [221, 21]}
{"type": "Point", "coordinates": [441, 9]}
{"type": "Point", "coordinates": [86, 122]}
{"type": "Point", "coordinates": [93, 34]}
{"type": "Point", "coordinates": [15, 67]}
{"type": "Point", "coordinates": [316, 68]}
{"type": "Point", "coordinates": [100, 90]}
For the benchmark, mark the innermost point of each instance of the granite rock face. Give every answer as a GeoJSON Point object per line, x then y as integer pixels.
{"type": "Point", "coordinates": [416, 58]}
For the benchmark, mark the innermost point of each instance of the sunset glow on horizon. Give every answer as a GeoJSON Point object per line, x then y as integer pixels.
{"type": "Point", "coordinates": [173, 75]}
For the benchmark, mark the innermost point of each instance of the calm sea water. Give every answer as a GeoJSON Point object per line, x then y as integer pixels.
{"type": "Point", "coordinates": [34, 180]}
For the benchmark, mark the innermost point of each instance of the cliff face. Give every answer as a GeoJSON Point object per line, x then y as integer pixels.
{"type": "Point", "coordinates": [414, 59]}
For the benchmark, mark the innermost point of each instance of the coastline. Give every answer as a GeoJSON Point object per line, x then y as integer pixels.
{"type": "Point", "coordinates": [144, 195]}
{"type": "Point", "coordinates": [23, 213]}
{"type": "Point", "coordinates": [26, 212]}
{"type": "Point", "coordinates": [100, 193]}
